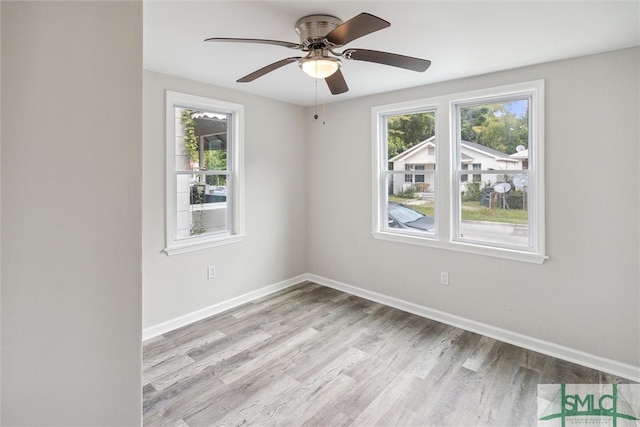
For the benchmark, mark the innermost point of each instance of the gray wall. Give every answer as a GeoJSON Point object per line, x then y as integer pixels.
{"type": "Point", "coordinates": [274, 249]}
{"type": "Point", "coordinates": [71, 213]}
{"type": "Point", "coordinates": [586, 295]}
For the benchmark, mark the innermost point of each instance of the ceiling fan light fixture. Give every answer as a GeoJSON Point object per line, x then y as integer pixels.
{"type": "Point", "coordinates": [319, 67]}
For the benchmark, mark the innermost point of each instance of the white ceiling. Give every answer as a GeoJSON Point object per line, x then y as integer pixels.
{"type": "Point", "coordinates": [461, 38]}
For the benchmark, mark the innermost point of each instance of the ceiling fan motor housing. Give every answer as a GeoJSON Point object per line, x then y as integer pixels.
{"type": "Point", "coordinates": [313, 28]}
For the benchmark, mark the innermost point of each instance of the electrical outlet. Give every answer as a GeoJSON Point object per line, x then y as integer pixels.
{"type": "Point", "coordinates": [211, 272]}
{"type": "Point", "coordinates": [444, 278]}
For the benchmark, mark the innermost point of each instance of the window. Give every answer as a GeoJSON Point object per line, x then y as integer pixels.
{"type": "Point", "coordinates": [419, 178]}
{"type": "Point", "coordinates": [477, 167]}
{"type": "Point", "coordinates": [497, 133]}
{"type": "Point", "coordinates": [407, 179]}
{"type": "Point", "coordinates": [204, 179]}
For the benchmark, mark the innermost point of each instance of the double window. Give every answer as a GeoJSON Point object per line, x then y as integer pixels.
{"type": "Point", "coordinates": [204, 179]}
{"type": "Point", "coordinates": [423, 153]}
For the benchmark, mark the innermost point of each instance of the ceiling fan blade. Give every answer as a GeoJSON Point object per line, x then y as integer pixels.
{"type": "Point", "coordinates": [269, 68]}
{"type": "Point", "coordinates": [262, 41]}
{"type": "Point", "coordinates": [386, 58]}
{"type": "Point", "coordinates": [336, 83]}
{"type": "Point", "coordinates": [354, 28]}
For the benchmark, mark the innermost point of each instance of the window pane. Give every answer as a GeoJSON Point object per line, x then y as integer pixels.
{"type": "Point", "coordinates": [201, 140]}
{"type": "Point", "coordinates": [410, 195]}
{"type": "Point", "coordinates": [406, 131]}
{"type": "Point", "coordinates": [502, 126]}
{"type": "Point", "coordinates": [408, 208]}
{"type": "Point", "coordinates": [495, 210]}
{"type": "Point", "coordinates": [494, 206]}
{"type": "Point", "coordinates": [201, 207]}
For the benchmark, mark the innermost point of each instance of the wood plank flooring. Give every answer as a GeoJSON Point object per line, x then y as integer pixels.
{"type": "Point", "coordinates": [314, 356]}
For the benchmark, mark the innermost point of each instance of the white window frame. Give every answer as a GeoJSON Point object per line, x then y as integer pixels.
{"type": "Point", "coordinates": [446, 177]}
{"type": "Point", "coordinates": [235, 147]}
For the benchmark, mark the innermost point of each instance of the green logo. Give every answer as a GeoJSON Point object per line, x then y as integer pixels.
{"type": "Point", "coordinates": [589, 404]}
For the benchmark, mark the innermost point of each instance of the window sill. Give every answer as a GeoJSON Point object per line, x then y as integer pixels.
{"type": "Point", "coordinates": [192, 246]}
{"type": "Point", "coordinates": [510, 254]}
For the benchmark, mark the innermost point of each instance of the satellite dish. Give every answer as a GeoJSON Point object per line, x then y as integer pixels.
{"type": "Point", "coordinates": [520, 148]}
{"type": "Point", "coordinates": [503, 187]}
{"type": "Point", "coordinates": [520, 181]}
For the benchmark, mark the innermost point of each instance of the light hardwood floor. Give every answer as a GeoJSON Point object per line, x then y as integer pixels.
{"type": "Point", "coordinates": [311, 355]}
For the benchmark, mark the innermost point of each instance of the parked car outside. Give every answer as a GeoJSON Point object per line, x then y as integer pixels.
{"type": "Point", "coordinates": [402, 216]}
{"type": "Point", "coordinates": [216, 194]}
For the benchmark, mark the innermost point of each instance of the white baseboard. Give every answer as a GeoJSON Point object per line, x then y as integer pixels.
{"type": "Point", "coordinates": [555, 350]}
{"type": "Point", "coordinates": [561, 352]}
{"type": "Point", "coordinates": [178, 322]}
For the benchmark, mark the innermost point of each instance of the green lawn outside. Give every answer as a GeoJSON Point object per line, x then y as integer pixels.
{"type": "Point", "coordinates": [471, 211]}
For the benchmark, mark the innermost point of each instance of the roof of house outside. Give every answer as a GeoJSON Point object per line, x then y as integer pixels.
{"type": "Point", "coordinates": [499, 155]}
{"type": "Point", "coordinates": [419, 146]}
{"type": "Point", "coordinates": [524, 154]}
{"type": "Point", "coordinates": [474, 146]}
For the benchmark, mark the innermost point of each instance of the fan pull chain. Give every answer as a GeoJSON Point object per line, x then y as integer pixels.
{"type": "Point", "coordinates": [315, 116]}
{"type": "Point", "coordinates": [323, 114]}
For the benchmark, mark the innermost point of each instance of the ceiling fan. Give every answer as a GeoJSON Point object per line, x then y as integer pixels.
{"type": "Point", "coordinates": [320, 36]}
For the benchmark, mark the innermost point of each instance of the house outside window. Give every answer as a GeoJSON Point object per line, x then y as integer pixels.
{"type": "Point", "coordinates": [204, 173]}
{"type": "Point", "coordinates": [500, 212]}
